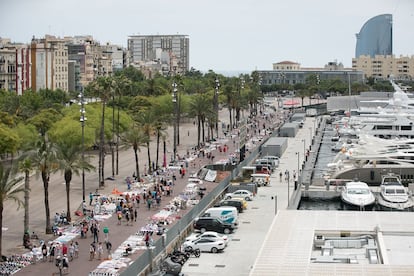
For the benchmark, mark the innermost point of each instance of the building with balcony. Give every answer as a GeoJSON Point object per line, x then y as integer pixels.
{"type": "Point", "coordinates": [15, 73]}
{"type": "Point", "coordinates": [49, 58]}
{"type": "Point", "coordinates": [165, 54]}
{"type": "Point", "coordinates": [385, 67]}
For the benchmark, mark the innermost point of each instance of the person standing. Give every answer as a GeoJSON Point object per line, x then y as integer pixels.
{"type": "Point", "coordinates": [95, 232]}
{"type": "Point", "coordinates": [52, 252]}
{"type": "Point", "coordinates": [135, 215]}
{"type": "Point", "coordinates": [90, 198]}
{"type": "Point", "coordinates": [106, 232]}
{"type": "Point", "coordinates": [44, 252]}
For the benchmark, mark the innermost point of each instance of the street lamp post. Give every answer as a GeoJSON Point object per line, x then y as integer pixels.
{"type": "Point", "coordinates": [297, 153]}
{"type": "Point", "coordinates": [288, 184]}
{"type": "Point", "coordinates": [174, 100]}
{"type": "Point", "coordinates": [82, 121]}
{"type": "Point", "coordinates": [310, 136]}
{"type": "Point", "coordinates": [216, 109]}
{"type": "Point", "coordinates": [304, 147]}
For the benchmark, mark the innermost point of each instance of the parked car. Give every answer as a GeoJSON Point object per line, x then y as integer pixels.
{"type": "Point", "coordinates": [239, 203]}
{"type": "Point", "coordinates": [245, 194]}
{"type": "Point", "coordinates": [205, 244]}
{"type": "Point", "coordinates": [210, 235]}
{"type": "Point", "coordinates": [213, 224]}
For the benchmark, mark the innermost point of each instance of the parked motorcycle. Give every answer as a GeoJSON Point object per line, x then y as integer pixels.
{"type": "Point", "coordinates": [178, 256]}
{"type": "Point", "coordinates": [195, 252]}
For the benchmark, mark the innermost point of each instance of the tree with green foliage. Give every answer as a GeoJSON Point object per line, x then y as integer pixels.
{"type": "Point", "coordinates": [134, 138]}
{"type": "Point", "coordinates": [198, 110]}
{"type": "Point", "coordinates": [102, 88]}
{"type": "Point", "coordinates": [70, 161]}
{"type": "Point", "coordinates": [26, 166]}
{"type": "Point", "coordinates": [9, 189]}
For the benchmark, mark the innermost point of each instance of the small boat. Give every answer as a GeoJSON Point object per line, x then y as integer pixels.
{"type": "Point", "coordinates": [393, 195]}
{"type": "Point", "coordinates": [357, 194]}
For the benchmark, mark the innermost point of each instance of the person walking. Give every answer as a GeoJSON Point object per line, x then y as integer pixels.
{"type": "Point", "coordinates": [135, 215]}
{"type": "Point", "coordinates": [100, 250]}
{"type": "Point", "coordinates": [108, 249]}
{"type": "Point", "coordinates": [71, 251]}
{"type": "Point", "coordinates": [76, 247]}
{"type": "Point", "coordinates": [119, 217]}
{"type": "Point", "coordinates": [92, 251]}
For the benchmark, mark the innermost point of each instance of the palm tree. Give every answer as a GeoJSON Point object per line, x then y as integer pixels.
{"type": "Point", "coordinates": [121, 84]}
{"type": "Point", "coordinates": [198, 105]}
{"type": "Point", "coordinates": [134, 137]}
{"type": "Point", "coordinates": [43, 154]}
{"type": "Point", "coordinates": [26, 166]}
{"type": "Point", "coordinates": [9, 189]}
{"type": "Point", "coordinates": [160, 130]}
{"type": "Point", "coordinates": [102, 87]}
{"type": "Point", "coordinates": [44, 162]}
{"type": "Point", "coordinates": [70, 161]}
{"type": "Point", "coordinates": [146, 120]}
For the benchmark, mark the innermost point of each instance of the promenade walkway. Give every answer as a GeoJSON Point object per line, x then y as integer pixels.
{"type": "Point", "coordinates": [12, 237]}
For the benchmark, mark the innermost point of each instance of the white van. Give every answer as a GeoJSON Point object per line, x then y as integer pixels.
{"type": "Point", "coordinates": [225, 213]}
{"type": "Point", "coordinates": [266, 162]}
{"type": "Point", "coordinates": [275, 159]}
{"type": "Point", "coordinates": [261, 179]}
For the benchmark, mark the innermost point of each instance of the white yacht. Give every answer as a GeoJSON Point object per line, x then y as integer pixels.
{"type": "Point", "coordinates": [393, 195]}
{"type": "Point", "coordinates": [357, 194]}
{"type": "Point", "coordinates": [371, 158]}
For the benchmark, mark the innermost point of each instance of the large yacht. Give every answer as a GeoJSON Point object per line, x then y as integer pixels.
{"type": "Point", "coordinates": [372, 158]}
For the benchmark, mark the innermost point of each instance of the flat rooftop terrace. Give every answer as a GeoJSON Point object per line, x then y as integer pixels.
{"type": "Point", "coordinates": [289, 246]}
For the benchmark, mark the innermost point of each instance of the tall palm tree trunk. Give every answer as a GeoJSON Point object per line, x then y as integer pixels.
{"type": "Point", "coordinates": [230, 118]}
{"type": "Point", "coordinates": [158, 149]}
{"type": "Point", "coordinates": [137, 162]}
{"type": "Point", "coordinates": [68, 178]}
{"type": "Point", "coordinates": [26, 200]}
{"type": "Point", "coordinates": [102, 147]}
{"type": "Point", "coordinates": [1, 223]}
{"type": "Point", "coordinates": [198, 131]}
{"type": "Point", "coordinates": [149, 157]}
{"type": "Point", "coordinates": [45, 178]}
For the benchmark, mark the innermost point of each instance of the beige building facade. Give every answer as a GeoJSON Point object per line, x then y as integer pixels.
{"type": "Point", "coordinates": [49, 58]}
{"type": "Point", "coordinates": [286, 66]}
{"type": "Point", "coordinates": [385, 66]}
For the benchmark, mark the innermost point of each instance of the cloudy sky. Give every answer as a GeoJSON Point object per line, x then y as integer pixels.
{"type": "Point", "coordinates": [241, 35]}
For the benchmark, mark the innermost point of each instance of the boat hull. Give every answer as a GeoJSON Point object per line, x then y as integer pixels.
{"type": "Point", "coordinates": [385, 205]}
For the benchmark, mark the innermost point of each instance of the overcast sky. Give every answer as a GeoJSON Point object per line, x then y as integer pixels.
{"type": "Point", "coordinates": [241, 35]}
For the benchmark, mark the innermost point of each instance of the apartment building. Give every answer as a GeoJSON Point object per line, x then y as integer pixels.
{"type": "Point", "coordinates": [49, 58]}
{"type": "Point", "coordinates": [15, 73]}
{"type": "Point", "coordinates": [166, 54]}
{"type": "Point", "coordinates": [385, 66]}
